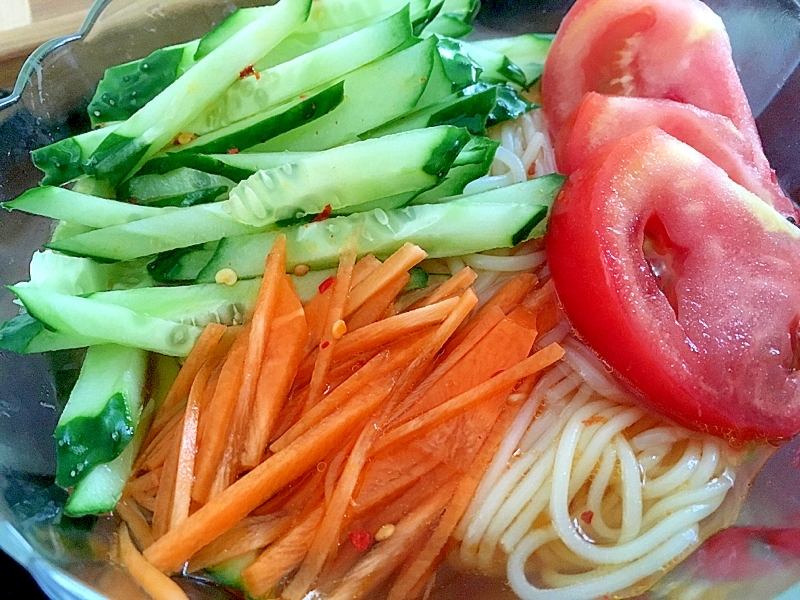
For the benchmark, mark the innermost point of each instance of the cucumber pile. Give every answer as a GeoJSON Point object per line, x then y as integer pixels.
{"type": "Point", "coordinates": [320, 120]}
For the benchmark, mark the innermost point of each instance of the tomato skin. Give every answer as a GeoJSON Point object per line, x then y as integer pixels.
{"type": "Point", "coordinates": [718, 358]}
{"type": "Point", "coordinates": [671, 49]}
{"type": "Point", "coordinates": [600, 120]}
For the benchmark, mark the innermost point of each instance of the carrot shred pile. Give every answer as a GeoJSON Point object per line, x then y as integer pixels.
{"type": "Point", "coordinates": [335, 444]}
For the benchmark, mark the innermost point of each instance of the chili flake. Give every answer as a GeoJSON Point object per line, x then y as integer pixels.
{"type": "Point", "coordinates": [587, 517]}
{"type": "Point", "coordinates": [233, 151]}
{"type": "Point", "coordinates": [326, 212]}
{"type": "Point", "coordinates": [361, 539]}
{"type": "Point", "coordinates": [248, 71]}
{"type": "Point", "coordinates": [595, 420]}
{"type": "Point", "coordinates": [326, 284]}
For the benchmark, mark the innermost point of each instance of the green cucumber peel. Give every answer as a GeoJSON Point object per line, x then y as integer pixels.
{"type": "Point", "coordinates": [263, 126]}
{"type": "Point", "coordinates": [66, 205]}
{"type": "Point", "coordinates": [125, 88]}
{"type": "Point", "coordinates": [412, 162]}
{"type": "Point", "coordinates": [304, 74]}
{"type": "Point", "coordinates": [181, 187]}
{"type": "Point", "coordinates": [99, 322]}
{"type": "Point", "coordinates": [62, 161]}
{"type": "Point", "coordinates": [157, 123]}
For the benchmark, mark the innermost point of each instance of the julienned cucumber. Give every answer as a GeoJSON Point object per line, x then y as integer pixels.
{"type": "Point", "coordinates": [165, 116]}
{"type": "Point", "coordinates": [495, 219]}
{"type": "Point", "coordinates": [99, 322]}
{"type": "Point", "coordinates": [308, 72]}
{"type": "Point", "coordinates": [102, 412]}
{"type": "Point", "coordinates": [347, 176]}
{"type": "Point", "coordinates": [344, 176]}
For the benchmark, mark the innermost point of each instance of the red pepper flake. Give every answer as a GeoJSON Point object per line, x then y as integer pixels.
{"type": "Point", "coordinates": [248, 71]}
{"type": "Point", "coordinates": [587, 517]}
{"type": "Point", "coordinates": [326, 212]}
{"type": "Point", "coordinates": [303, 96]}
{"type": "Point", "coordinates": [324, 345]}
{"type": "Point", "coordinates": [361, 539]}
{"type": "Point", "coordinates": [326, 284]}
{"type": "Point", "coordinates": [595, 420]}
{"type": "Point", "coordinates": [233, 151]}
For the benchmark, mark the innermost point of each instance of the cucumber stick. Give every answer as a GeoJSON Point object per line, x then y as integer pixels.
{"type": "Point", "coordinates": [409, 74]}
{"type": "Point", "coordinates": [165, 116]}
{"type": "Point", "coordinates": [347, 176]}
{"type": "Point", "coordinates": [102, 412]}
{"type": "Point", "coordinates": [62, 161]}
{"type": "Point", "coordinates": [65, 205]}
{"type": "Point", "coordinates": [495, 219]}
{"type": "Point", "coordinates": [100, 322]}
{"type": "Point", "coordinates": [344, 176]}
{"type": "Point", "coordinates": [320, 67]}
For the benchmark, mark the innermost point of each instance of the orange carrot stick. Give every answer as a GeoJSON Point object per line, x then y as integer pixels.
{"type": "Point", "coordinates": [385, 362]}
{"type": "Point", "coordinates": [184, 476]}
{"type": "Point", "coordinates": [266, 306]}
{"type": "Point", "coordinates": [454, 286]}
{"type": "Point", "coordinates": [416, 427]}
{"type": "Point", "coordinates": [386, 556]}
{"type": "Point", "coordinates": [334, 320]}
{"type": "Point", "coordinates": [392, 268]}
{"type": "Point", "coordinates": [257, 486]}
{"type": "Point", "coordinates": [415, 573]}
{"type": "Point", "coordinates": [200, 353]}
{"type": "Point", "coordinates": [249, 534]}
{"type": "Point", "coordinates": [150, 579]}
{"type": "Point", "coordinates": [128, 510]}
{"type": "Point", "coordinates": [287, 339]}
{"type": "Point", "coordinates": [162, 510]}
{"type": "Point", "coordinates": [215, 422]}
{"type": "Point", "coordinates": [375, 307]}
{"type": "Point", "coordinates": [277, 560]}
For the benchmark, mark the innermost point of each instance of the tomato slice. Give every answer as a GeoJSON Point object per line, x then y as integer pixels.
{"type": "Point", "coordinates": [600, 120]}
{"type": "Point", "coordinates": [686, 284]}
{"type": "Point", "coordinates": [670, 49]}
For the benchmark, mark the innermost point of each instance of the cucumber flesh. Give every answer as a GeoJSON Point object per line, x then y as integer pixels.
{"type": "Point", "coordinates": [179, 228]}
{"type": "Point", "coordinates": [158, 122]}
{"type": "Point", "coordinates": [495, 219]}
{"type": "Point", "coordinates": [99, 322]}
{"type": "Point", "coordinates": [102, 412]}
{"type": "Point", "coordinates": [181, 187]}
{"type": "Point", "coordinates": [235, 166]}
{"type": "Point", "coordinates": [66, 205]}
{"type": "Point", "coordinates": [308, 72]}
{"type": "Point", "coordinates": [268, 124]}
{"type": "Point", "coordinates": [366, 105]}
{"type": "Point", "coordinates": [347, 176]}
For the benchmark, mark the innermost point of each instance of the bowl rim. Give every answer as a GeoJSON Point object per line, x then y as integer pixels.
{"type": "Point", "coordinates": [33, 63]}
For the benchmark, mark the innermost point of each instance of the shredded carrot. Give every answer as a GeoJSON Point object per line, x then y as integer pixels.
{"type": "Point", "coordinates": [376, 306]}
{"type": "Point", "coordinates": [128, 510]}
{"type": "Point", "coordinates": [154, 455]}
{"type": "Point", "coordinates": [182, 494]}
{"type": "Point", "coordinates": [269, 295]}
{"type": "Point", "coordinates": [384, 559]}
{"type": "Point", "coordinates": [257, 486]}
{"type": "Point", "coordinates": [392, 268]}
{"type": "Point", "coordinates": [150, 579]}
{"type": "Point", "coordinates": [506, 299]}
{"type": "Point", "coordinates": [251, 533]}
{"type": "Point", "coordinates": [415, 573]}
{"type": "Point", "coordinates": [282, 356]}
{"type": "Point", "coordinates": [542, 359]}
{"type": "Point", "coordinates": [277, 560]}
{"type": "Point", "coordinates": [202, 350]}
{"type": "Point", "coordinates": [162, 510]}
{"type": "Point", "coordinates": [454, 286]}
{"type": "Point", "coordinates": [341, 289]}
{"type": "Point", "coordinates": [215, 421]}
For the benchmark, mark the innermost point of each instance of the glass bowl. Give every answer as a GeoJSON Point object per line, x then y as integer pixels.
{"type": "Point", "coordinates": [48, 103]}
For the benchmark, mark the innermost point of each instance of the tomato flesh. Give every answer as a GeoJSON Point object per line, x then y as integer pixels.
{"type": "Point", "coordinates": [712, 343]}
{"type": "Point", "coordinates": [601, 119]}
{"type": "Point", "coordinates": [675, 50]}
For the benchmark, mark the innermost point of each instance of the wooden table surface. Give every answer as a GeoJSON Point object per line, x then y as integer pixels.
{"type": "Point", "coordinates": [25, 24]}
